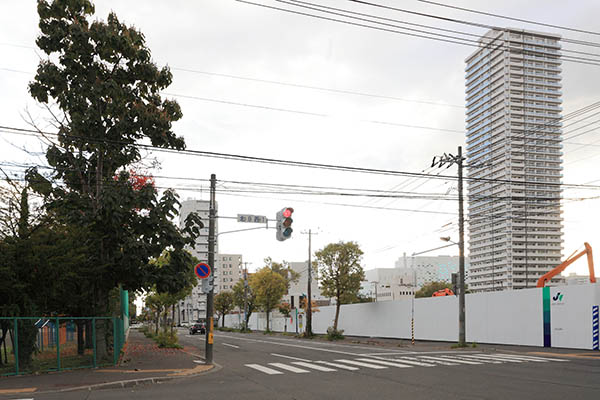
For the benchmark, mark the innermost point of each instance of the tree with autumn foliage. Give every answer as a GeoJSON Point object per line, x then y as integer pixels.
{"type": "Point", "coordinates": [103, 92]}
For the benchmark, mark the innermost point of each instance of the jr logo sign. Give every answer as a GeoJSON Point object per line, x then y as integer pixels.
{"type": "Point", "coordinates": [558, 297]}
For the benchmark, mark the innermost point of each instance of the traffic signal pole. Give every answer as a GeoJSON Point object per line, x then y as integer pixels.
{"type": "Point", "coordinates": [208, 349]}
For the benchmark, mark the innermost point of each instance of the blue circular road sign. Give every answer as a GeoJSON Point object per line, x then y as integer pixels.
{"type": "Point", "coordinates": [202, 270]}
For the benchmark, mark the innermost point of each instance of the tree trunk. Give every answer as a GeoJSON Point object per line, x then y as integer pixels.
{"type": "Point", "coordinates": [173, 318]}
{"type": "Point", "coordinates": [101, 339]}
{"type": "Point", "coordinates": [248, 319]}
{"type": "Point", "coordinates": [223, 321]}
{"type": "Point", "coordinates": [80, 336]}
{"type": "Point", "coordinates": [267, 321]}
{"type": "Point", "coordinates": [337, 315]}
{"type": "Point", "coordinates": [89, 335]}
{"type": "Point", "coordinates": [3, 343]}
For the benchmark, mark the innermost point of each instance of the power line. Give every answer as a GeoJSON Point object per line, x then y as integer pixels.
{"type": "Point", "coordinates": [333, 167]}
{"type": "Point", "coordinates": [442, 38]}
{"type": "Point", "coordinates": [509, 18]}
{"type": "Point", "coordinates": [321, 8]}
{"type": "Point", "coordinates": [319, 88]}
{"type": "Point", "coordinates": [463, 22]}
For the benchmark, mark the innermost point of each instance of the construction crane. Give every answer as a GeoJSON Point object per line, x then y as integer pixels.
{"type": "Point", "coordinates": [570, 260]}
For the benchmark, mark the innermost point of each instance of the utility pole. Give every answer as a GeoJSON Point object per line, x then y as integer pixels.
{"type": "Point", "coordinates": [246, 295]}
{"type": "Point", "coordinates": [208, 353]}
{"type": "Point", "coordinates": [461, 253]}
{"type": "Point", "coordinates": [308, 331]}
{"type": "Point", "coordinates": [450, 160]}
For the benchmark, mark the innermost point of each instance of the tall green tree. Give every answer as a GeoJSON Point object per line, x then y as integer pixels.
{"type": "Point", "coordinates": [172, 283]}
{"type": "Point", "coordinates": [224, 304]}
{"type": "Point", "coordinates": [283, 268]}
{"type": "Point", "coordinates": [340, 273]}
{"type": "Point", "coordinates": [269, 287]}
{"type": "Point", "coordinates": [102, 89]}
{"type": "Point", "coordinates": [244, 298]}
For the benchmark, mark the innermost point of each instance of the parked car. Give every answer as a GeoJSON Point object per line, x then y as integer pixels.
{"type": "Point", "coordinates": [197, 328]}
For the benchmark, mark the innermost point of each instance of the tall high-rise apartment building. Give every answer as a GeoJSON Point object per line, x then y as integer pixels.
{"type": "Point", "coordinates": [514, 141]}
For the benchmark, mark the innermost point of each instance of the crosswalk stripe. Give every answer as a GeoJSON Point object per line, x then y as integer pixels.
{"type": "Point", "coordinates": [412, 362]}
{"type": "Point", "coordinates": [524, 358]}
{"type": "Point", "coordinates": [469, 357]}
{"type": "Point", "coordinates": [266, 370]}
{"type": "Point", "coordinates": [492, 357]}
{"type": "Point", "coordinates": [362, 364]}
{"type": "Point", "coordinates": [431, 360]}
{"type": "Point", "coordinates": [453, 359]}
{"type": "Point", "coordinates": [540, 358]}
{"type": "Point", "coordinates": [290, 368]}
{"type": "Point", "coordinates": [388, 363]}
{"type": "Point", "coordinates": [313, 366]}
{"type": "Point", "coordinates": [336, 365]}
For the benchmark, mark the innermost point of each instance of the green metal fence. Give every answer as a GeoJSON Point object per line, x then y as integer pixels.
{"type": "Point", "coordinates": [43, 344]}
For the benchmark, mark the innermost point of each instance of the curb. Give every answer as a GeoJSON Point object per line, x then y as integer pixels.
{"type": "Point", "coordinates": [131, 382]}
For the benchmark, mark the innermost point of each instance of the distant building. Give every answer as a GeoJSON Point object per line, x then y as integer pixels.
{"type": "Point", "coordinates": [574, 279]}
{"type": "Point", "coordinates": [300, 287]}
{"type": "Point", "coordinates": [229, 271]}
{"type": "Point", "coordinates": [429, 269]}
{"type": "Point", "coordinates": [193, 307]}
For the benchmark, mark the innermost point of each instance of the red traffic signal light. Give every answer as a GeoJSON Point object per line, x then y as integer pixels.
{"type": "Point", "coordinates": [284, 224]}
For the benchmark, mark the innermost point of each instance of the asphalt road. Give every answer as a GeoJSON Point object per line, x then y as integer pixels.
{"type": "Point", "coordinates": [260, 367]}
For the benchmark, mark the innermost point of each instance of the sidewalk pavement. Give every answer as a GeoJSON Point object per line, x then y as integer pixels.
{"type": "Point", "coordinates": [143, 362]}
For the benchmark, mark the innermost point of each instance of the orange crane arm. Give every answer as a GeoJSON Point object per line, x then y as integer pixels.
{"type": "Point", "coordinates": [551, 274]}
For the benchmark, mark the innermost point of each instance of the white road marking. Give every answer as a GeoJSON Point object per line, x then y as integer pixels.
{"type": "Point", "coordinates": [292, 345]}
{"type": "Point", "coordinates": [454, 359]}
{"type": "Point", "coordinates": [387, 363]}
{"type": "Point", "coordinates": [313, 366]}
{"type": "Point", "coordinates": [336, 365]}
{"type": "Point", "coordinates": [231, 345]}
{"type": "Point", "coordinates": [362, 364]}
{"type": "Point", "coordinates": [489, 361]}
{"type": "Point", "coordinates": [412, 353]}
{"type": "Point", "coordinates": [199, 361]}
{"type": "Point", "coordinates": [266, 370]}
{"type": "Point", "coordinates": [410, 362]}
{"type": "Point", "coordinates": [432, 360]}
{"type": "Point", "coordinates": [290, 357]}
{"type": "Point", "coordinates": [491, 357]}
{"type": "Point", "coordinates": [535, 357]}
{"type": "Point", "coordinates": [524, 358]}
{"type": "Point", "coordinates": [289, 368]}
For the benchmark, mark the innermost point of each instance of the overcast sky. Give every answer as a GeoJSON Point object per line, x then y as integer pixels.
{"type": "Point", "coordinates": [227, 37]}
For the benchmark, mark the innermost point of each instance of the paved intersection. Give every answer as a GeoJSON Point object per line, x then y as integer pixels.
{"type": "Point", "coordinates": [259, 367]}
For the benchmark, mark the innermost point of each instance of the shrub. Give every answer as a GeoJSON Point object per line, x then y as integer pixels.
{"type": "Point", "coordinates": [167, 340]}
{"type": "Point", "coordinates": [333, 334]}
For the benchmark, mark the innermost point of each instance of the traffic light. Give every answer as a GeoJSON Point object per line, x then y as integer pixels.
{"type": "Point", "coordinates": [284, 224]}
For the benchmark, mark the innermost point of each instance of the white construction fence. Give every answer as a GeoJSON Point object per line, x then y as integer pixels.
{"type": "Point", "coordinates": [561, 316]}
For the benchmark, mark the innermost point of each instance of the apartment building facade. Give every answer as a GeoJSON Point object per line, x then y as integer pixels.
{"type": "Point", "coordinates": [514, 159]}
